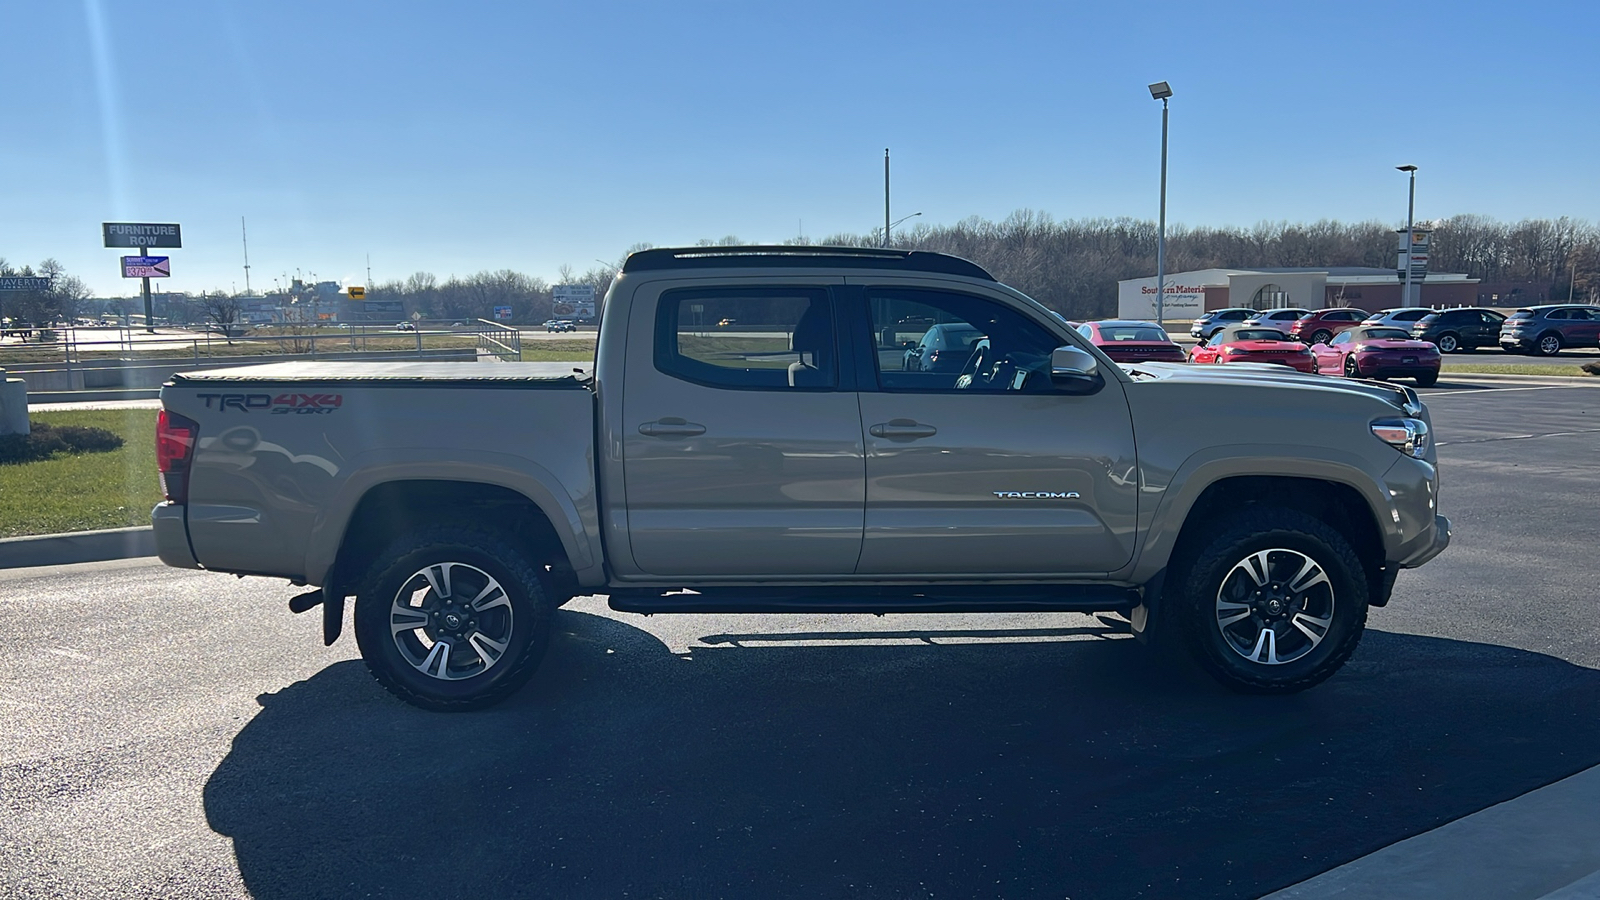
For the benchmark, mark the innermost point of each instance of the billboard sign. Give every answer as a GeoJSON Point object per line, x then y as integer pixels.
{"type": "Point", "coordinates": [141, 234]}
{"type": "Point", "coordinates": [1136, 299]}
{"type": "Point", "coordinates": [573, 301]}
{"type": "Point", "coordinates": [147, 267]}
{"type": "Point", "coordinates": [502, 313]}
{"type": "Point", "coordinates": [23, 283]}
{"type": "Point", "coordinates": [1420, 241]}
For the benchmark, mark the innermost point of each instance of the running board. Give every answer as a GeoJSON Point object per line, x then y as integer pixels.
{"type": "Point", "coordinates": [902, 599]}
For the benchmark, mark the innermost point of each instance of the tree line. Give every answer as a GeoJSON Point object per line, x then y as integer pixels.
{"type": "Point", "coordinates": [1072, 266]}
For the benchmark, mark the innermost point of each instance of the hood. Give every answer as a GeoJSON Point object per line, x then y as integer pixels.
{"type": "Point", "coordinates": [1271, 375]}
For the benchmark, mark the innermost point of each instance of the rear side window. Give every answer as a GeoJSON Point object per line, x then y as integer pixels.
{"type": "Point", "coordinates": [748, 338]}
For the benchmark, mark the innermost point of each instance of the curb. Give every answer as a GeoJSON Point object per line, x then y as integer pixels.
{"type": "Point", "coordinates": [1491, 376]}
{"type": "Point", "coordinates": [77, 547]}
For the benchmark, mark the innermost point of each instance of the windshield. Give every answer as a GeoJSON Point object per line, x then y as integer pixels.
{"type": "Point", "coordinates": [1132, 333]}
{"type": "Point", "coordinates": [1258, 334]}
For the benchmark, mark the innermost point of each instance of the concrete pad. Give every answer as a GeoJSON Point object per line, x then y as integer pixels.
{"type": "Point", "coordinates": [1535, 846]}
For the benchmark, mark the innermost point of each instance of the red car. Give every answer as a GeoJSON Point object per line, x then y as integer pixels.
{"type": "Point", "coordinates": [1132, 341]}
{"type": "Point", "coordinates": [1379, 351]}
{"type": "Point", "coordinates": [1319, 327]}
{"type": "Point", "coordinates": [1248, 343]}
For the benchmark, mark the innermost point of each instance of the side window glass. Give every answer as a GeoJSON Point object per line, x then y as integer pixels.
{"type": "Point", "coordinates": [1342, 337]}
{"type": "Point", "coordinates": [971, 344]}
{"type": "Point", "coordinates": [1557, 314]}
{"type": "Point", "coordinates": [748, 338]}
{"type": "Point", "coordinates": [1491, 319]}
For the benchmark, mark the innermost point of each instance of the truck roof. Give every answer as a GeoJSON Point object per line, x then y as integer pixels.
{"type": "Point", "coordinates": [511, 375]}
{"type": "Point", "coordinates": [807, 257]}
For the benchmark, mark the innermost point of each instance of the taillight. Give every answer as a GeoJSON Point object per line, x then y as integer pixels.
{"type": "Point", "coordinates": [175, 437]}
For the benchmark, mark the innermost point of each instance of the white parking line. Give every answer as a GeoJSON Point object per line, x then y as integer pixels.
{"type": "Point", "coordinates": [1542, 387]}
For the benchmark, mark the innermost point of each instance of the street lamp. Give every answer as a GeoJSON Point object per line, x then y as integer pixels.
{"type": "Point", "coordinates": [894, 223]}
{"type": "Point", "coordinates": [1162, 91]}
{"type": "Point", "coordinates": [1411, 209]}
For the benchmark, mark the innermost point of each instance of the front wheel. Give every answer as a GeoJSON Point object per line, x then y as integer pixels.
{"type": "Point", "coordinates": [452, 617]}
{"type": "Point", "coordinates": [1274, 604]}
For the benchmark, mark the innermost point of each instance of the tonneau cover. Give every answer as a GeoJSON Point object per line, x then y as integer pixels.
{"type": "Point", "coordinates": [547, 375]}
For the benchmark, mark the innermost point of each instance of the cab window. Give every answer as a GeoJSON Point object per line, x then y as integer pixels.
{"type": "Point", "coordinates": [939, 341]}
{"type": "Point", "coordinates": [748, 338]}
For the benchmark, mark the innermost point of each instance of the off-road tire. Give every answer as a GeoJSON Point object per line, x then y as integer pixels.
{"type": "Point", "coordinates": [487, 549]}
{"type": "Point", "coordinates": [1200, 576]}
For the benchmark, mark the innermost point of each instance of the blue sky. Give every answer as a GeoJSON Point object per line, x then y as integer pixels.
{"type": "Point", "coordinates": [457, 137]}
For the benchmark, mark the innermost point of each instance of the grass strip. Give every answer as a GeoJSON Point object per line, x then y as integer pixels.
{"type": "Point", "coordinates": [1511, 369]}
{"type": "Point", "coordinates": [82, 492]}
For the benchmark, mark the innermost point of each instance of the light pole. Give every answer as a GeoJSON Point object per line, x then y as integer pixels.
{"type": "Point", "coordinates": [1411, 210]}
{"type": "Point", "coordinates": [894, 223]}
{"type": "Point", "coordinates": [1162, 91]}
{"type": "Point", "coordinates": [886, 197]}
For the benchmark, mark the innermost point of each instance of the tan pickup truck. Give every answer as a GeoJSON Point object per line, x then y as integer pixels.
{"type": "Point", "coordinates": [772, 429]}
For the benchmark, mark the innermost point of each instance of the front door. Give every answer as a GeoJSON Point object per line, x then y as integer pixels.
{"type": "Point", "coordinates": [742, 450]}
{"type": "Point", "coordinates": [988, 469]}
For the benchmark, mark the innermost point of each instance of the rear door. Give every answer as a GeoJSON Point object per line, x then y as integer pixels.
{"type": "Point", "coordinates": [988, 469]}
{"type": "Point", "coordinates": [741, 434]}
{"type": "Point", "coordinates": [1584, 329]}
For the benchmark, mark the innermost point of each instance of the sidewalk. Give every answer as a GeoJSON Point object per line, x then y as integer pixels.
{"type": "Point", "coordinates": [76, 547]}
{"type": "Point", "coordinates": [1543, 845]}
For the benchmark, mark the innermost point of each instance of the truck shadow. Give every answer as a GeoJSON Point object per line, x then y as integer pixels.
{"type": "Point", "coordinates": [1036, 766]}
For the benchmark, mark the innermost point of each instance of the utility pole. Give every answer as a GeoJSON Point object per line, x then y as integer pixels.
{"type": "Point", "coordinates": [245, 236]}
{"type": "Point", "coordinates": [369, 270]}
{"type": "Point", "coordinates": [886, 196]}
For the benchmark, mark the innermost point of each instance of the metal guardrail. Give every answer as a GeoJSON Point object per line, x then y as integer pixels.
{"type": "Point", "coordinates": [71, 349]}
{"type": "Point", "coordinates": [502, 341]}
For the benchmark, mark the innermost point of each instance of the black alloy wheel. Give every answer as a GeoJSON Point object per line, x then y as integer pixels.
{"type": "Point", "coordinates": [1351, 370]}
{"type": "Point", "coordinates": [1322, 336]}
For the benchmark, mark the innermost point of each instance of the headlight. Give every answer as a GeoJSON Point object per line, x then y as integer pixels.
{"type": "Point", "coordinates": [1409, 436]}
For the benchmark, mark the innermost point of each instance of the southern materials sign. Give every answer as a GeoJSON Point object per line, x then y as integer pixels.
{"type": "Point", "coordinates": [573, 301]}
{"type": "Point", "coordinates": [147, 267]}
{"type": "Point", "coordinates": [139, 234]}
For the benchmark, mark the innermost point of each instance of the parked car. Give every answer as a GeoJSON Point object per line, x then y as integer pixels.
{"type": "Point", "coordinates": [1398, 317]}
{"type": "Point", "coordinates": [1378, 351]}
{"type": "Point", "coordinates": [1132, 342]}
{"type": "Point", "coordinates": [1467, 328]}
{"type": "Point", "coordinates": [560, 325]}
{"type": "Point", "coordinates": [943, 348]}
{"type": "Point", "coordinates": [1547, 330]}
{"type": "Point", "coordinates": [1248, 343]}
{"type": "Point", "coordinates": [1212, 322]}
{"type": "Point", "coordinates": [678, 477]}
{"type": "Point", "coordinates": [1320, 326]}
{"type": "Point", "coordinates": [1281, 319]}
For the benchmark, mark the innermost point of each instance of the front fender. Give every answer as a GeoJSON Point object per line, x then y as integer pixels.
{"type": "Point", "coordinates": [1208, 466]}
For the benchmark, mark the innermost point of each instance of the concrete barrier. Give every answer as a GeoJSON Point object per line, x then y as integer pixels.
{"type": "Point", "coordinates": [13, 405]}
{"type": "Point", "coordinates": [77, 547]}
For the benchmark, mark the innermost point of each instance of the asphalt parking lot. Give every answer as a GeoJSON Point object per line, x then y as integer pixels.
{"type": "Point", "coordinates": [176, 733]}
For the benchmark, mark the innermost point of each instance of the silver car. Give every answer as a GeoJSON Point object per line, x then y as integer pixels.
{"type": "Point", "coordinates": [943, 348]}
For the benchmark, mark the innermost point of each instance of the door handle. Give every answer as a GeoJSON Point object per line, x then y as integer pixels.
{"type": "Point", "coordinates": [902, 430]}
{"type": "Point", "coordinates": [671, 426]}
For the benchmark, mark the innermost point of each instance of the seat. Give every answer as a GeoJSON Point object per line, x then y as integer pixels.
{"type": "Point", "coordinates": [812, 341]}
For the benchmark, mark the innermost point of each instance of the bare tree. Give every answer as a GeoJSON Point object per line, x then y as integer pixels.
{"type": "Point", "coordinates": [223, 311]}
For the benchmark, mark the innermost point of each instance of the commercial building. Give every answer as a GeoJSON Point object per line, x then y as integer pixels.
{"type": "Point", "coordinates": [1188, 294]}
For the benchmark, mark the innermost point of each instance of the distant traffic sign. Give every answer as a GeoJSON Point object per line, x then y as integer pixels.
{"type": "Point", "coordinates": [139, 234]}
{"type": "Point", "coordinates": [356, 292]}
{"type": "Point", "coordinates": [147, 267]}
{"type": "Point", "coordinates": [23, 283]}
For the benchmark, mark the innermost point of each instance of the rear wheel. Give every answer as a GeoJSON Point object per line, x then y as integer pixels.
{"type": "Point", "coordinates": [1549, 344]}
{"type": "Point", "coordinates": [1321, 337]}
{"type": "Point", "coordinates": [1273, 604]}
{"type": "Point", "coordinates": [453, 617]}
{"type": "Point", "coordinates": [1449, 343]}
{"type": "Point", "coordinates": [1428, 380]}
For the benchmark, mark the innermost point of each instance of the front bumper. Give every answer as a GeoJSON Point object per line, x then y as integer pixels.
{"type": "Point", "coordinates": [1441, 540]}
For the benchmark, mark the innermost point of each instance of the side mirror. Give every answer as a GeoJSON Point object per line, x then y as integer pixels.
{"type": "Point", "coordinates": [1075, 371]}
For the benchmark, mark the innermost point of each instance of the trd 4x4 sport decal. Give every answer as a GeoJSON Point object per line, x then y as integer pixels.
{"type": "Point", "coordinates": [276, 404]}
